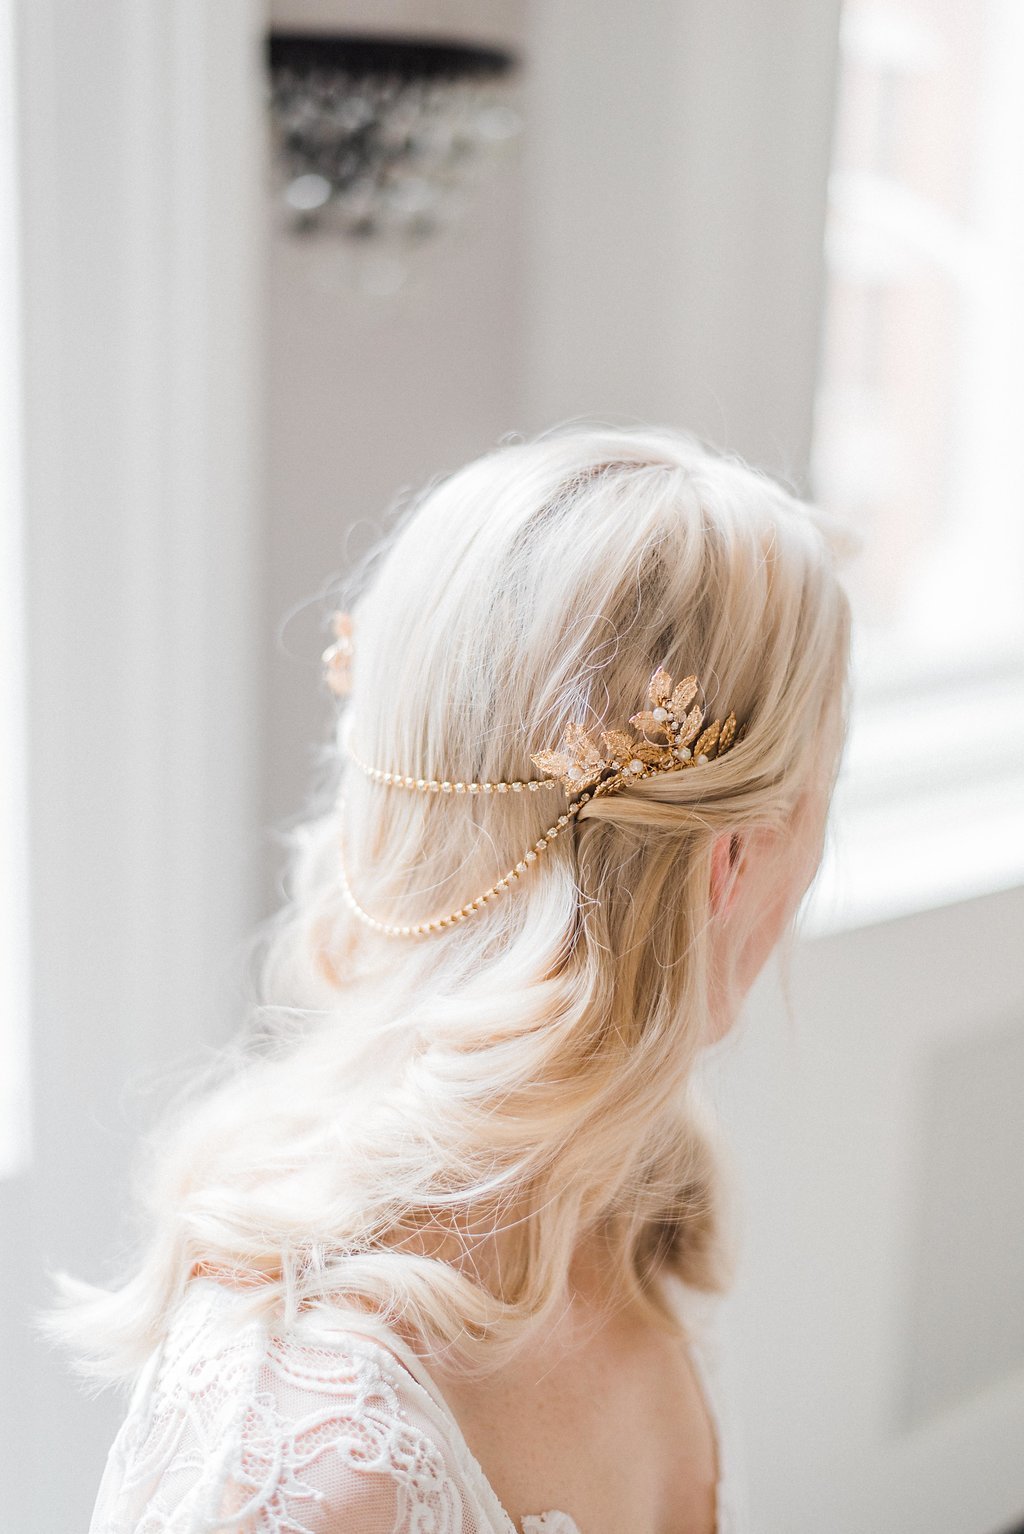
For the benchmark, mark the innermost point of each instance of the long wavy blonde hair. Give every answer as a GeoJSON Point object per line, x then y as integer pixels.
{"type": "Point", "coordinates": [522, 1080]}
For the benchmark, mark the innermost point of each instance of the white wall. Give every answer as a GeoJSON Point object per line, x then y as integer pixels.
{"type": "Point", "coordinates": [677, 182]}
{"type": "Point", "coordinates": [875, 1337]}
{"type": "Point", "coordinates": [367, 397]}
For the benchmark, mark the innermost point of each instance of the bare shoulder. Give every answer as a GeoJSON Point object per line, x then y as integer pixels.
{"type": "Point", "coordinates": [605, 1421]}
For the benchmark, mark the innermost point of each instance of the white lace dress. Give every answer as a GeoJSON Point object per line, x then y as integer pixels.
{"type": "Point", "coordinates": [239, 1430]}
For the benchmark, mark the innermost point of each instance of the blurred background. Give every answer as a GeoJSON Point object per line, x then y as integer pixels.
{"type": "Point", "coordinates": [264, 269]}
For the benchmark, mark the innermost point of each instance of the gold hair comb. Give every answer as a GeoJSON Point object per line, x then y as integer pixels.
{"type": "Point", "coordinates": [674, 719]}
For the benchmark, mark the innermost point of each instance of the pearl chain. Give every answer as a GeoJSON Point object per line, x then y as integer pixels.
{"type": "Point", "coordinates": [439, 786]}
{"type": "Point", "coordinates": [440, 923]}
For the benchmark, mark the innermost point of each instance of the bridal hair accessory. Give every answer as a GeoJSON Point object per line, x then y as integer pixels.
{"type": "Point", "coordinates": [337, 658]}
{"type": "Point", "coordinates": [670, 735]}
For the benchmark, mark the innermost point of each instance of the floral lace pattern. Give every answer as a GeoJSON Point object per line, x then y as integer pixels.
{"type": "Point", "coordinates": [236, 1429]}
{"type": "Point", "coordinates": [270, 1436]}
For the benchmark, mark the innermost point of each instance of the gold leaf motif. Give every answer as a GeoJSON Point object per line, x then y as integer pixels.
{"type": "Point", "coordinates": [660, 688]}
{"type": "Point", "coordinates": [683, 696]}
{"type": "Point", "coordinates": [646, 722]}
{"type": "Point", "coordinates": [585, 766]}
{"type": "Point", "coordinates": [581, 747]}
{"type": "Point", "coordinates": [651, 756]}
{"type": "Point", "coordinates": [618, 745]}
{"type": "Point", "coordinates": [554, 763]}
{"type": "Point", "coordinates": [728, 735]}
{"type": "Point", "coordinates": [709, 740]}
{"type": "Point", "coordinates": [690, 727]}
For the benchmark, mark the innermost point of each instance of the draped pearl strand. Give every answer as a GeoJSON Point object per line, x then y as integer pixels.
{"type": "Point", "coordinates": [443, 786]}
{"type": "Point", "coordinates": [452, 919]}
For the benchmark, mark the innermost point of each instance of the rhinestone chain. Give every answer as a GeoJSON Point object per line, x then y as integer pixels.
{"type": "Point", "coordinates": [440, 923]}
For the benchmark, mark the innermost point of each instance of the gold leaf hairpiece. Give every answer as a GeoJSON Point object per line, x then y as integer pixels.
{"type": "Point", "coordinates": [671, 734]}
{"type": "Point", "coordinates": [337, 658]}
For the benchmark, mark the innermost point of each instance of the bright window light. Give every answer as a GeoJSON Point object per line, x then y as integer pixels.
{"type": "Point", "coordinates": [921, 406]}
{"type": "Point", "coordinates": [918, 445]}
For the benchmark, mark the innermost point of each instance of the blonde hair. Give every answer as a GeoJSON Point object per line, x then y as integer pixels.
{"type": "Point", "coordinates": [523, 1079]}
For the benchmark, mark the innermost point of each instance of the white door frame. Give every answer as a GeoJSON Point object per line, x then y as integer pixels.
{"type": "Point", "coordinates": [140, 140]}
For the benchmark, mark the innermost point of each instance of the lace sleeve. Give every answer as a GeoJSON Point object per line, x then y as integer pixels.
{"type": "Point", "coordinates": [240, 1432]}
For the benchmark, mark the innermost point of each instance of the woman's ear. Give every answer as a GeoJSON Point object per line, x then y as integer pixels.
{"type": "Point", "coordinates": [726, 867]}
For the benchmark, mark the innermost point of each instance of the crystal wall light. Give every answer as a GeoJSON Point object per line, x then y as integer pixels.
{"type": "Point", "coordinates": [375, 138]}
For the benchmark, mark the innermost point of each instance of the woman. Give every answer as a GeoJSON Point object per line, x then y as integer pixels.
{"type": "Point", "coordinates": [430, 1258]}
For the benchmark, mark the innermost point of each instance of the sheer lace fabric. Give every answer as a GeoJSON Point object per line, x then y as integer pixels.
{"type": "Point", "coordinates": [240, 1430]}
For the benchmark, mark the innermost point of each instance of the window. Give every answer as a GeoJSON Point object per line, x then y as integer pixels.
{"type": "Point", "coordinates": [922, 397]}
{"type": "Point", "coordinates": [917, 443]}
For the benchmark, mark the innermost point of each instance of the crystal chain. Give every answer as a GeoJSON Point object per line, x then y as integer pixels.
{"type": "Point", "coordinates": [440, 923]}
